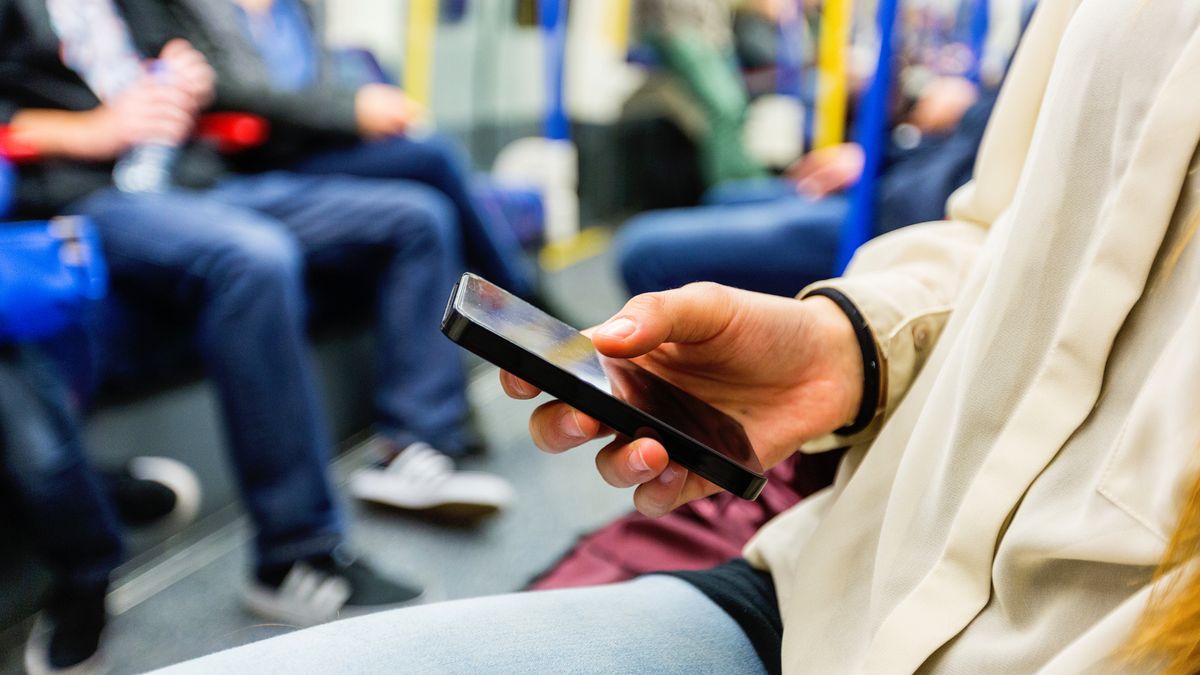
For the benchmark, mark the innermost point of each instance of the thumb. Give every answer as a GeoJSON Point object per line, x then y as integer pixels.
{"type": "Point", "coordinates": [694, 313]}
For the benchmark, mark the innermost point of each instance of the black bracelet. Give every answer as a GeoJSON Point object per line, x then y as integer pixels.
{"type": "Point", "coordinates": [870, 356]}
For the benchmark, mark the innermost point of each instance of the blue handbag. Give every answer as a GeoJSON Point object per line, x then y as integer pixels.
{"type": "Point", "coordinates": [50, 271]}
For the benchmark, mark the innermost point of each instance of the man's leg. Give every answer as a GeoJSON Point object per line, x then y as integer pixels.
{"type": "Point", "coordinates": [58, 495]}
{"type": "Point", "coordinates": [241, 273]}
{"type": "Point", "coordinates": [60, 502]}
{"type": "Point", "coordinates": [751, 191]}
{"type": "Point", "coordinates": [490, 244]}
{"type": "Point", "coordinates": [339, 221]}
{"type": "Point", "coordinates": [656, 624]}
{"type": "Point", "coordinates": [778, 247]}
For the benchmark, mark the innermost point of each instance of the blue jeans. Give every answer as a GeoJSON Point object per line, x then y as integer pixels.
{"type": "Point", "coordinates": [489, 243]}
{"type": "Point", "coordinates": [58, 496]}
{"type": "Point", "coordinates": [656, 624]}
{"type": "Point", "coordinates": [759, 236]}
{"type": "Point", "coordinates": [235, 256]}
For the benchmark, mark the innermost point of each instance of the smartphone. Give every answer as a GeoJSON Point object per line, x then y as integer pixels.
{"type": "Point", "coordinates": [562, 362]}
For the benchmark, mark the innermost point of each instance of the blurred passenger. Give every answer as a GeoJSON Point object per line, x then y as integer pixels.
{"type": "Point", "coordinates": [69, 511]}
{"type": "Point", "coordinates": [231, 253]}
{"type": "Point", "coordinates": [790, 226]}
{"type": "Point", "coordinates": [778, 236]}
{"type": "Point", "coordinates": [271, 60]}
{"type": "Point", "coordinates": [693, 40]}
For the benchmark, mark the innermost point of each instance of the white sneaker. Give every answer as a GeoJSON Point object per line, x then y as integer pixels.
{"type": "Point", "coordinates": [326, 589]}
{"type": "Point", "coordinates": [421, 478]}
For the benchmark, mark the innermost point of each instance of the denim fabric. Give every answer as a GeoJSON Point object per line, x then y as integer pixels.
{"type": "Point", "coordinates": [748, 237]}
{"type": "Point", "coordinates": [750, 191]}
{"type": "Point", "coordinates": [58, 496]}
{"type": "Point", "coordinates": [656, 624]}
{"type": "Point", "coordinates": [340, 221]}
{"type": "Point", "coordinates": [235, 257]}
{"type": "Point", "coordinates": [491, 246]}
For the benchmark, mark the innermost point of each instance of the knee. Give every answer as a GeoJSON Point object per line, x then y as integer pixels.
{"type": "Point", "coordinates": [259, 258]}
{"type": "Point", "coordinates": [426, 221]}
{"type": "Point", "coordinates": [639, 249]}
{"type": "Point", "coordinates": [37, 449]}
{"type": "Point", "coordinates": [442, 154]}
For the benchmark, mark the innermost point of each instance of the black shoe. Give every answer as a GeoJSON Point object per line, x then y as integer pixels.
{"type": "Point", "coordinates": [323, 588]}
{"type": "Point", "coordinates": [66, 637]}
{"type": "Point", "coordinates": [154, 490]}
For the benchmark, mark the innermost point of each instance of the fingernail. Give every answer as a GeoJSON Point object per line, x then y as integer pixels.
{"type": "Point", "coordinates": [637, 461]}
{"type": "Point", "coordinates": [571, 426]}
{"type": "Point", "coordinates": [668, 475]}
{"type": "Point", "coordinates": [619, 328]}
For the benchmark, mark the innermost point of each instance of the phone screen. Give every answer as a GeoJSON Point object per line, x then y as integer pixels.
{"type": "Point", "coordinates": [566, 348]}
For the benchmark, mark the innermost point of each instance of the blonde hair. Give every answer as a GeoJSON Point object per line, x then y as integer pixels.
{"type": "Point", "coordinates": [1168, 635]}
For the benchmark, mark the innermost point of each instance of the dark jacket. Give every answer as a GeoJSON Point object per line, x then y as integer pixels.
{"type": "Point", "coordinates": [303, 122]}
{"type": "Point", "coordinates": [32, 75]}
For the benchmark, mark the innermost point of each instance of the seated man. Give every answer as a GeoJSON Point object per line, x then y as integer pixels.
{"type": "Point", "coordinates": [230, 254]}
{"type": "Point", "coordinates": [778, 236]}
{"type": "Point", "coordinates": [270, 60]}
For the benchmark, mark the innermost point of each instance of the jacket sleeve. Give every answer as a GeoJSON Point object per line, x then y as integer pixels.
{"type": "Point", "coordinates": [905, 283]}
{"type": "Point", "coordinates": [324, 110]}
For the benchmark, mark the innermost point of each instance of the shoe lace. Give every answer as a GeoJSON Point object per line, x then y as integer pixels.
{"type": "Point", "coordinates": [422, 462]}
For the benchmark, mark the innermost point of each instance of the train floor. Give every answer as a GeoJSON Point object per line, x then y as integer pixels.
{"type": "Point", "coordinates": [182, 600]}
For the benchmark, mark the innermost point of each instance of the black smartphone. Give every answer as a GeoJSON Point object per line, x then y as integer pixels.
{"type": "Point", "coordinates": [561, 361]}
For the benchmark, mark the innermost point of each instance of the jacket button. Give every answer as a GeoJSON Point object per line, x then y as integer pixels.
{"type": "Point", "coordinates": [920, 337]}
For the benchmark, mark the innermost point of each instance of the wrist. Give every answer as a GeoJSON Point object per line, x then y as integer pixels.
{"type": "Point", "coordinates": [94, 136]}
{"type": "Point", "coordinates": [856, 355]}
{"type": "Point", "coordinates": [85, 135]}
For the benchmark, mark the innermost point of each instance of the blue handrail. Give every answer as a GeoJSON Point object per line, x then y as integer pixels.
{"type": "Point", "coordinates": [870, 132]}
{"type": "Point", "coordinates": [8, 186]}
{"type": "Point", "coordinates": [980, 18]}
{"type": "Point", "coordinates": [553, 20]}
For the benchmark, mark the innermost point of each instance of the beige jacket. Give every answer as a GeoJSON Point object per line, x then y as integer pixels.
{"type": "Point", "coordinates": [1041, 410]}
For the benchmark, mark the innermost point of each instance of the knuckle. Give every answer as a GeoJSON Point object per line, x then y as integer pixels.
{"type": "Point", "coordinates": [649, 304]}
{"type": "Point", "coordinates": [707, 289]}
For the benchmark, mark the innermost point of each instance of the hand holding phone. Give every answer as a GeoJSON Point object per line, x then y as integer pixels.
{"type": "Point", "coordinates": [788, 370]}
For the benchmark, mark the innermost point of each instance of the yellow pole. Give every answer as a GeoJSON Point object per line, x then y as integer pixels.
{"type": "Point", "coordinates": [618, 24]}
{"type": "Point", "coordinates": [832, 72]}
{"type": "Point", "coordinates": [418, 49]}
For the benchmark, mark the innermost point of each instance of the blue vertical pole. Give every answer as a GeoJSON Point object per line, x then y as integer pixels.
{"type": "Point", "coordinates": [553, 19]}
{"type": "Point", "coordinates": [870, 131]}
{"type": "Point", "coordinates": [8, 186]}
{"type": "Point", "coordinates": [978, 36]}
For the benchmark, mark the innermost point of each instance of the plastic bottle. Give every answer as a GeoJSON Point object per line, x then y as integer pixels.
{"type": "Point", "coordinates": [148, 167]}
